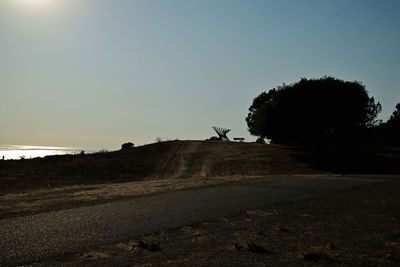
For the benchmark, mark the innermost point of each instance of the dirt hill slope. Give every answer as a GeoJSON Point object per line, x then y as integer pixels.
{"type": "Point", "coordinates": [207, 159]}
{"type": "Point", "coordinates": [183, 159]}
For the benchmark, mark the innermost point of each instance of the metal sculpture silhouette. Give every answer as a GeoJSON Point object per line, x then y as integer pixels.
{"type": "Point", "coordinates": [221, 133]}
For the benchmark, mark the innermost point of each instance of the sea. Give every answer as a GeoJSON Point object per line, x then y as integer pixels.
{"type": "Point", "coordinates": [8, 152]}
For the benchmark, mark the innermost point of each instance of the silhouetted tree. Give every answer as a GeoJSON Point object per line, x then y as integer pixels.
{"type": "Point", "coordinates": [391, 129]}
{"type": "Point", "coordinates": [313, 111]}
{"type": "Point", "coordinates": [396, 113]}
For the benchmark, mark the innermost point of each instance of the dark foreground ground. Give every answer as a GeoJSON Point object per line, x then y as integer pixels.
{"type": "Point", "coordinates": [357, 227]}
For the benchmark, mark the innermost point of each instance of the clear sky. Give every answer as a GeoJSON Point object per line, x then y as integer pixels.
{"type": "Point", "coordinates": [97, 73]}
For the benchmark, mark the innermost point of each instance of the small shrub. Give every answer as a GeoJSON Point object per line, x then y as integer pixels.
{"type": "Point", "coordinates": [127, 145]}
{"type": "Point", "coordinates": [283, 229]}
{"type": "Point", "coordinates": [151, 244]}
{"type": "Point", "coordinates": [239, 245]}
{"type": "Point", "coordinates": [257, 247]}
{"type": "Point", "coordinates": [260, 140]}
{"type": "Point", "coordinates": [317, 254]}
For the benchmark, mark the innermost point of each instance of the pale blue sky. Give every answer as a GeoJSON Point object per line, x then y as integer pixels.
{"type": "Point", "coordinates": [97, 73]}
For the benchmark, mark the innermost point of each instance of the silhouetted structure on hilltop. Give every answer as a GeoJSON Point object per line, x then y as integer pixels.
{"type": "Point", "coordinates": [221, 133]}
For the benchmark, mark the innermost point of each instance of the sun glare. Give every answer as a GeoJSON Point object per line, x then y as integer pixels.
{"type": "Point", "coordinates": [37, 5]}
{"type": "Point", "coordinates": [34, 1]}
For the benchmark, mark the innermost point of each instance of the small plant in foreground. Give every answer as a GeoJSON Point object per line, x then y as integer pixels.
{"type": "Point", "coordinates": [239, 245]}
{"type": "Point", "coordinates": [149, 243]}
{"type": "Point", "coordinates": [317, 254]}
{"type": "Point", "coordinates": [252, 246]}
{"type": "Point", "coordinates": [283, 229]}
{"type": "Point", "coordinates": [258, 247]}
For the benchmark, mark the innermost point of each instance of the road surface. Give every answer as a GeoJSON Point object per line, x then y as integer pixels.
{"type": "Point", "coordinates": [38, 237]}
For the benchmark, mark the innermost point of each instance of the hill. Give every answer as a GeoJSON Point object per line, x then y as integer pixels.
{"type": "Point", "coordinates": [185, 159]}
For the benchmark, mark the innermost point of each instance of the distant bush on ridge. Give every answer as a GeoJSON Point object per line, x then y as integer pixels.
{"type": "Point", "coordinates": [127, 145]}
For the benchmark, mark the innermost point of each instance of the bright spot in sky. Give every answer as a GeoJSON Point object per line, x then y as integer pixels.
{"type": "Point", "coordinates": [37, 5]}
{"type": "Point", "coordinates": [34, 1]}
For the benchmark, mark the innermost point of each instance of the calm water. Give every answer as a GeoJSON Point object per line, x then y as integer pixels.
{"type": "Point", "coordinates": [18, 151]}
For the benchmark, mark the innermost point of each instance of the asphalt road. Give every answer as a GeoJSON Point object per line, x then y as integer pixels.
{"type": "Point", "coordinates": [32, 238]}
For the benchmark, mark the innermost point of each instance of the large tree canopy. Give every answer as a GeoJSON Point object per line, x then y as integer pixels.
{"type": "Point", "coordinates": [313, 111]}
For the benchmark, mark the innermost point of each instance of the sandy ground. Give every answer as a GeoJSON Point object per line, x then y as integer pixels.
{"type": "Point", "coordinates": [357, 227]}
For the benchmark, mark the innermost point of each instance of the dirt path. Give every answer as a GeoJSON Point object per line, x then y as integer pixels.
{"type": "Point", "coordinates": [183, 162]}
{"type": "Point", "coordinates": [185, 158]}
